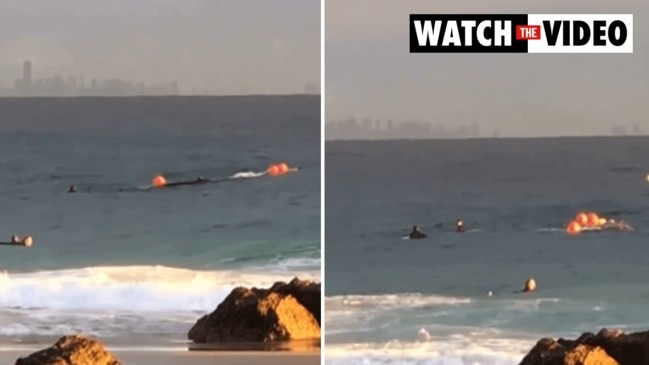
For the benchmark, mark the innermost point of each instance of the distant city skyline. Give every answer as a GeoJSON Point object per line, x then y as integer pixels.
{"type": "Point", "coordinates": [208, 47]}
{"type": "Point", "coordinates": [370, 73]}
{"type": "Point", "coordinates": [380, 129]}
{"type": "Point", "coordinates": [78, 85]}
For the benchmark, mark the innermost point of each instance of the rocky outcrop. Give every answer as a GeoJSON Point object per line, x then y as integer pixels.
{"type": "Point", "coordinates": [72, 350]}
{"type": "Point", "coordinates": [281, 313]}
{"type": "Point", "coordinates": [306, 292]}
{"type": "Point", "coordinates": [605, 348]}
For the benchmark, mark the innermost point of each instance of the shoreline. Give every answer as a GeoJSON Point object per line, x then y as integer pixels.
{"type": "Point", "coordinates": [226, 354]}
{"type": "Point", "coordinates": [293, 347]}
{"type": "Point", "coordinates": [195, 357]}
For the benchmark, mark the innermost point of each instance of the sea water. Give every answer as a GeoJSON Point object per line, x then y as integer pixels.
{"type": "Point", "coordinates": [122, 261]}
{"type": "Point", "coordinates": [391, 300]}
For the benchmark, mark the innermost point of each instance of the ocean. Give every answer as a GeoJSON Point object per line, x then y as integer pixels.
{"type": "Point", "coordinates": [135, 266]}
{"type": "Point", "coordinates": [391, 300]}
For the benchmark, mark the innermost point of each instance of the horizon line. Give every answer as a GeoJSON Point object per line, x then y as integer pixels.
{"type": "Point", "coordinates": [148, 96]}
{"type": "Point", "coordinates": [644, 135]}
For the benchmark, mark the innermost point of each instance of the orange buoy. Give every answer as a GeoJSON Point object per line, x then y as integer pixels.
{"type": "Point", "coordinates": [573, 227]}
{"type": "Point", "coordinates": [283, 168]}
{"type": "Point", "coordinates": [582, 218]}
{"type": "Point", "coordinates": [593, 219]}
{"type": "Point", "coordinates": [159, 181]}
{"type": "Point", "coordinates": [273, 170]}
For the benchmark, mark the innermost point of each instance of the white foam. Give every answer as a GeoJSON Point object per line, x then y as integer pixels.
{"type": "Point", "coordinates": [291, 264]}
{"type": "Point", "coordinates": [392, 301]}
{"type": "Point", "coordinates": [132, 288]}
{"type": "Point", "coordinates": [119, 301]}
{"type": "Point", "coordinates": [247, 175]}
{"type": "Point", "coordinates": [251, 174]}
{"type": "Point", "coordinates": [363, 313]}
{"type": "Point", "coordinates": [450, 351]}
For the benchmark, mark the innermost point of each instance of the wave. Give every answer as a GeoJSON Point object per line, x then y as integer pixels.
{"type": "Point", "coordinates": [416, 328]}
{"type": "Point", "coordinates": [392, 301]}
{"type": "Point", "coordinates": [344, 309]}
{"type": "Point", "coordinates": [437, 351]}
{"type": "Point", "coordinates": [132, 288]}
{"type": "Point", "coordinates": [150, 302]}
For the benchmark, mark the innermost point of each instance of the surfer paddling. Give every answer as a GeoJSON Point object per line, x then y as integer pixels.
{"type": "Point", "coordinates": [416, 233]}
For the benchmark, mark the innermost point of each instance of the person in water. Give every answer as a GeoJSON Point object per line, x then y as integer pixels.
{"type": "Point", "coordinates": [72, 189]}
{"type": "Point", "coordinates": [614, 225]}
{"type": "Point", "coordinates": [416, 233]}
{"type": "Point", "coordinates": [27, 241]}
{"type": "Point", "coordinates": [530, 286]}
{"type": "Point", "coordinates": [459, 225]}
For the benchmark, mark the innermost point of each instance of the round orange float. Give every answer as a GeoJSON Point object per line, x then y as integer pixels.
{"type": "Point", "coordinates": [159, 181]}
{"type": "Point", "coordinates": [582, 218]}
{"type": "Point", "coordinates": [573, 227]}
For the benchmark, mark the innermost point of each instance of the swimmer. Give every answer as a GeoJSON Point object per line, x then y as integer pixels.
{"type": "Point", "coordinates": [530, 285]}
{"type": "Point", "coordinates": [72, 189]}
{"type": "Point", "coordinates": [416, 233]}
{"type": "Point", "coordinates": [27, 241]}
{"type": "Point", "coordinates": [459, 225]}
{"type": "Point", "coordinates": [613, 225]}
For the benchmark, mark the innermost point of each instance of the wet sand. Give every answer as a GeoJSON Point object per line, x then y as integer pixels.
{"type": "Point", "coordinates": [294, 352]}
{"type": "Point", "coordinates": [220, 357]}
{"type": "Point", "coordinates": [147, 357]}
{"type": "Point", "coordinates": [135, 357]}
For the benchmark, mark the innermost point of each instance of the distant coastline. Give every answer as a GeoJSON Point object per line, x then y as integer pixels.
{"type": "Point", "coordinates": [261, 95]}
{"type": "Point", "coordinates": [425, 138]}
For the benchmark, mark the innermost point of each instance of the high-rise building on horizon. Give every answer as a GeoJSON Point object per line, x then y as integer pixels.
{"type": "Point", "coordinates": [27, 75]}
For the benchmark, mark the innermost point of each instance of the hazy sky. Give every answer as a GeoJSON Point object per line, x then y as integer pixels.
{"type": "Point", "coordinates": [226, 47]}
{"type": "Point", "coordinates": [370, 72]}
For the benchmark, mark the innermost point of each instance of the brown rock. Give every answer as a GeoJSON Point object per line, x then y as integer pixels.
{"type": "Point", "coordinates": [72, 350]}
{"type": "Point", "coordinates": [305, 291]}
{"type": "Point", "coordinates": [606, 348]}
{"type": "Point", "coordinates": [546, 352]}
{"type": "Point", "coordinates": [588, 355]}
{"type": "Point", "coordinates": [260, 315]}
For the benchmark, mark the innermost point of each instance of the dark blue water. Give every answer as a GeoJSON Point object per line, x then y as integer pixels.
{"type": "Point", "coordinates": [515, 197]}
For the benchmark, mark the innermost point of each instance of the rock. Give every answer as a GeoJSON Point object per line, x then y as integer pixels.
{"type": "Point", "coordinates": [605, 348]}
{"type": "Point", "coordinates": [283, 312]}
{"type": "Point", "coordinates": [588, 355]}
{"type": "Point", "coordinates": [72, 350]}
{"type": "Point", "coordinates": [305, 291]}
{"type": "Point", "coordinates": [546, 352]}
